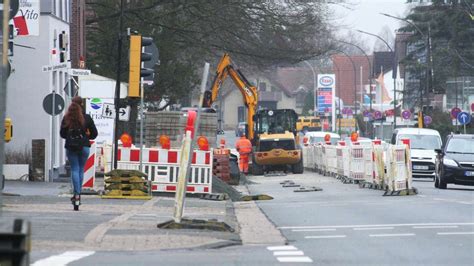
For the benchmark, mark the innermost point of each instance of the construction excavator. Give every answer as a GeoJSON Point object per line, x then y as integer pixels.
{"type": "Point", "coordinates": [272, 132]}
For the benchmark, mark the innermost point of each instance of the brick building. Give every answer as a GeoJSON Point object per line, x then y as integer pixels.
{"type": "Point", "coordinates": [348, 82]}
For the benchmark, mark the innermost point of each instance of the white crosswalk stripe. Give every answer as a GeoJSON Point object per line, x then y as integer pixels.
{"type": "Point", "coordinates": [289, 254]}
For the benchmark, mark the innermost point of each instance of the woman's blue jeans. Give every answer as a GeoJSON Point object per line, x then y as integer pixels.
{"type": "Point", "coordinates": [77, 160]}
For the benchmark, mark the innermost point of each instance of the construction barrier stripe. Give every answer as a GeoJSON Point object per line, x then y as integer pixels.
{"type": "Point", "coordinates": [161, 156]}
{"type": "Point", "coordinates": [89, 167]}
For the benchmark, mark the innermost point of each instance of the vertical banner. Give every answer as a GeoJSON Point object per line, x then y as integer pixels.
{"type": "Point", "coordinates": [26, 21]}
{"type": "Point", "coordinates": [325, 97]}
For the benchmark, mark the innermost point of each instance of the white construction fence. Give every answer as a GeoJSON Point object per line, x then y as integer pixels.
{"type": "Point", "coordinates": [374, 165]}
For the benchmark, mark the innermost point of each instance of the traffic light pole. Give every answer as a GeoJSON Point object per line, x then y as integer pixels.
{"type": "Point", "coordinates": [117, 85]}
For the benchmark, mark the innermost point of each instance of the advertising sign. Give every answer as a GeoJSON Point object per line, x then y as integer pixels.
{"type": "Point", "coordinates": [105, 125]}
{"type": "Point", "coordinates": [26, 20]}
{"type": "Point", "coordinates": [324, 96]}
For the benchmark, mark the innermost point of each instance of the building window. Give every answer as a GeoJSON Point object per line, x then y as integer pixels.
{"type": "Point", "coordinates": [262, 86]}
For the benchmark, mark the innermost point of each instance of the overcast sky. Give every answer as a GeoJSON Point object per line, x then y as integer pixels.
{"type": "Point", "coordinates": [364, 14]}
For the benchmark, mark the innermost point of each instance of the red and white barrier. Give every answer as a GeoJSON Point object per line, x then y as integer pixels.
{"type": "Point", "coordinates": [357, 170]}
{"type": "Point", "coordinates": [89, 168]}
{"type": "Point", "coordinates": [162, 167]}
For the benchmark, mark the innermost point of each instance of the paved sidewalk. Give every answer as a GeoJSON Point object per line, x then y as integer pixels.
{"type": "Point", "coordinates": [119, 224]}
{"type": "Point", "coordinates": [109, 224]}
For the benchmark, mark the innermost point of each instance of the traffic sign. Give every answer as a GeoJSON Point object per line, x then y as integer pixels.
{"type": "Point", "coordinates": [58, 104]}
{"type": "Point", "coordinates": [455, 111]}
{"type": "Point", "coordinates": [406, 114]}
{"type": "Point", "coordinates": [108, 111]}
{"type": "Point", "coordinates": [79, 72]}
{"type": "Point", "coordinates": [378, 114]}
{"type": "Point", "coordinates": [464, 118]}
{"type": "Point", "coordinates": [427, 120]}
{"type": "Point", "coordinates": [49, 68]}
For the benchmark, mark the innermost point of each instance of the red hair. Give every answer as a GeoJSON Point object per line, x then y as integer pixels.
{"type": "Point", "coordinates": [74, 117]}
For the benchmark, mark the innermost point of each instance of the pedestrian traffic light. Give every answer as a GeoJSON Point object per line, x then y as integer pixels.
{"type": "Point", "coordinates": [8, 130]}
{"type": "Point", "coordinates": [137, 57]}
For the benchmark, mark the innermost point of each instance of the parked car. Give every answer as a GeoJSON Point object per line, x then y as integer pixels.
{"type": "Point", "coordinates": [423, 143]}
{"type": "Point", "coordinates": [455, 162]}
{"type": "Point", "coordinates": [240, 128]}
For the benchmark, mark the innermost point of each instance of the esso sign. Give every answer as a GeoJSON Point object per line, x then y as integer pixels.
{"type": "Point", "coordinates": [326, 81]}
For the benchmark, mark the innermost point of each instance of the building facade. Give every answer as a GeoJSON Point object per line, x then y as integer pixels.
{"type": "Point", "coordinates": [29, 83]}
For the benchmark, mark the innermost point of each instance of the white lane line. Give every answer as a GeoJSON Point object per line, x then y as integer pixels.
{"type": "Point", "coordinates": [294, 259]}
{"type": "Point", "coordinates": [390, 235]}
{"type": "Point", "coordinates": [465, 202]}
{"type": "Point", "coordinates": [328, 236]}
{"type": "Point", "coordinates": [455, 233]}
{"type": "Point", "coordinates": [275, 248]}
{"type": "Point", "coordinates": [440, 199]}
{"type": "Point", "coordinates": [372, 228]}
{"type": "Point", "coordinates": [313, 230]}
{"type": "Point", "coordinates": [288, 253]}
{"type": "Point", "coordinates": [422, 196]}
{"type": "Point", "coordinates": [63, 259]}
{"type": "Point", "coordinates": [368, 225]}
{"type": "Point", "coordinates": [435, 226]}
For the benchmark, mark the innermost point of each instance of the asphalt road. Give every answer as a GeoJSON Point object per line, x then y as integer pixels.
{"type": "Point", "coordinates": [348, 225]}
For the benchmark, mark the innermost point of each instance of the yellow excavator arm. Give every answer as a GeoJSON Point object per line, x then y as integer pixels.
{"type": "Point", "coordinates": [249, 92]}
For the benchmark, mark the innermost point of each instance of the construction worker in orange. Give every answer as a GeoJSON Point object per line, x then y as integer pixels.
{"type": "Point", "coordinates": [244, 147]}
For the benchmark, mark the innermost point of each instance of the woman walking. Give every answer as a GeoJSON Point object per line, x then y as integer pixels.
{"type": "Point", "coordinates": [77, 128]}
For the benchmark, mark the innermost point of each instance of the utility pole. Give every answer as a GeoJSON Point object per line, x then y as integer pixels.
{"type": "Point", "coordinates": [3, 84]}
{"type": "Point", "coordinates": [117, 84]}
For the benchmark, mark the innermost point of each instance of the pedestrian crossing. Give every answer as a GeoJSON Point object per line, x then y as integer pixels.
{"type": "Point", "coordinates": [289, 254]}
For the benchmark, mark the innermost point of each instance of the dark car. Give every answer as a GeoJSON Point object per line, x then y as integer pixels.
{"type": "Point", "coordinates": [455, 162]}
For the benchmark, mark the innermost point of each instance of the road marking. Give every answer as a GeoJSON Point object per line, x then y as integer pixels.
{"type": "Point", "coordinates": [368, 225]}
{"type": "Point", "coordinates": [275, 248]}
{"type": "Point", "coordinates": [440, 199]}
{"type": "Point", "coordinates": [465, 202]}
{"type": "Point", "coordinates": [455, 233]}
{"type": "Point", "coordinates": [372, 228]}
{"type": "Point", "coordinates": [313, 230]}
{"type": "Point", "coordinates": [435, 226]}
{"type": "Point", "coordinates": [329, 236]}
{"type": "Point", "coordinates": [294, 259]}
{"type": "Point", "coordinates": [422, 196]}
{"type": "Point", "coordinates": [390, 235]}
{"type": "Point", "coordinates": [288, 253]}
{"type": "Point", "coordinates": [63, 259]}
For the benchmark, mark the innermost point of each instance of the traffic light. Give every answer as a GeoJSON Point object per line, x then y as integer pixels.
{"type": "Point", "coordinates": [420, 120]}
{"type": "Point", "coordinates": [137, 57]}
{"type": "Point", "coordinates": [8, 130]}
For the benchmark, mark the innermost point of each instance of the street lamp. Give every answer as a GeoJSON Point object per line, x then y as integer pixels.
{"type": "Point", "coordinates": [394, 76]}
{"type": "Point", "coordinates": [355, 86]}
{"type": "Point", "coordinates": [370, 67]}
{"type": "Point", "coordinates": [314, 82]}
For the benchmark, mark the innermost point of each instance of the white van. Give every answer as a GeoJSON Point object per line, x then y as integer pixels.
{"type": "Point", "coordinates": [423, 143]}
